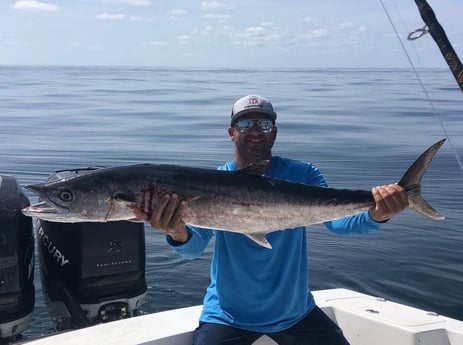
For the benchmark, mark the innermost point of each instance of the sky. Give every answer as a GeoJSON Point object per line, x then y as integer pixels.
{"type": "Point", "coordinates": [222, 33]}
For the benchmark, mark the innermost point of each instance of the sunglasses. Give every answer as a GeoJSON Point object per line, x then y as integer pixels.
{"type": "Point", "coordinates": [245, 125]}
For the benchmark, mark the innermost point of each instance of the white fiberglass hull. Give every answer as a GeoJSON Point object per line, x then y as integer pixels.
{"type": "Point", "coordinates": [364, 319]}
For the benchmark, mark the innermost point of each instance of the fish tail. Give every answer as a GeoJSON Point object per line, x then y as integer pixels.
{"type": "Point", "coordinates": [411, 182]}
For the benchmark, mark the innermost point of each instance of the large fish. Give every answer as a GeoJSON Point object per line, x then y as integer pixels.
{"type": "Point", "coordinates": [238, 201]}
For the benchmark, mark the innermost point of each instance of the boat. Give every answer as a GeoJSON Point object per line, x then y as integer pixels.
{"type": "Point", "coordinates": [364, 319]}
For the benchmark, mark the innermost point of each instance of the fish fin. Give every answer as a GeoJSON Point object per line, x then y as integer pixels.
{"type": "Point", "coordinates": [255, 168]}
{"type": "Point", "coordinates": [135, 220]}
{"type": "Point", "coordinates": [411, 182]}
{"type": "Point", "coordinates": [121, 196]}
{"type": "Point", "coordinates": [420, 205]}
{"type": "Point", "coordinates": [260, 240]}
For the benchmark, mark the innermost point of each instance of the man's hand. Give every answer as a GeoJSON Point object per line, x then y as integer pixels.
{"type": "Point", "coordinates": [164, 214]}
{"type": "Point", "coordinates": [390, 200]}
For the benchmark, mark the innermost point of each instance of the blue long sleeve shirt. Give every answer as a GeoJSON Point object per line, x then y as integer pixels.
{"type": "Point", "coordinates": [260, 289]}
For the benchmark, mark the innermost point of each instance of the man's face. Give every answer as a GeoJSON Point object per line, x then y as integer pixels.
{"type": "Point", "coordinates": [253, 144]}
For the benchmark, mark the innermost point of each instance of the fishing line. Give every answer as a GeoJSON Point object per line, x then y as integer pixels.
{"type": "Point", "coordinates": [437, 114]}
{"type": "Point", "coordinates": [405, 28]}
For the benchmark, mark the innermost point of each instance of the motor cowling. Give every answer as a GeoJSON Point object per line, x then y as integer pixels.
{"type": "Point", "coordinates": [91, 272]}
{"type": "Point", "coordinates": [17, 293]}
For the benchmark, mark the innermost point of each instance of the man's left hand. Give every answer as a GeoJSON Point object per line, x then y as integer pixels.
{"type": "Point", "coordinates": [390, 200]}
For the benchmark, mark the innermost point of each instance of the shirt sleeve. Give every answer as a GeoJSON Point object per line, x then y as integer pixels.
{"type": "Point", "coordinates": [194, 247]}
{"type": "Point", "coordinates": [360, 223]}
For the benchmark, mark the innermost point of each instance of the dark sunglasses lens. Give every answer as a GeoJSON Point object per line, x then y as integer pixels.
{"type": "Point", "coordinates": [245, 125]}
{"type": "Point", "coordinates": [265, 126]}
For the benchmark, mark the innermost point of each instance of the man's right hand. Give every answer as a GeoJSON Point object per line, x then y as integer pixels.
{"type": "Point", "coordinates": [164, 214]}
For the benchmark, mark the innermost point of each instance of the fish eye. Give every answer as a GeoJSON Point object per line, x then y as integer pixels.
{"type": "Point", "coordinates": [66, 195]}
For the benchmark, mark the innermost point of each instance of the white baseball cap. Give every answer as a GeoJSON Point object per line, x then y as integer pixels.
{"type": "Point", "coordinates": [252, 104]}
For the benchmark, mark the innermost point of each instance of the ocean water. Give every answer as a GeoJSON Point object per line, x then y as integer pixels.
{"type": "Point", "coordinates": [361, 127]}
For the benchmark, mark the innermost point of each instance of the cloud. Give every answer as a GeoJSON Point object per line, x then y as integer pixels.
{"type": "Point", "coordinates": [129, 2]}
{"type": "Point", "coordinates": [318, 33]}
{"type": "Point", "coordinates": [346, 25]}
{"type": "Point", "coordinates": [119, 16]}
{"type": "Point", "coordinates": [259, 36]}
{"type": "Point", "coordinates": [212, 5]}
{"type": "Point", "coordinates": [207, 30]}
{"type": "Point", "coordinates": [32, 5]}
{"type": "Point", "coordinates": [254, 31]}
{"type": "Point", "coordinates": [177, 14]}
{"type": "Point", "coordinates": [108, 16]}
{"type": "Point", "coordinates": [183, 39]}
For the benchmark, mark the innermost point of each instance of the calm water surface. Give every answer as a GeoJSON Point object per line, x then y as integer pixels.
{"type": "Point", "coordinates": [361, 127]}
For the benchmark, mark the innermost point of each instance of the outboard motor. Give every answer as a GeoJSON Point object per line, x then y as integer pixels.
{"type": "Point", "coordinates": [17, 293]}
{"type": "Point", "coordinates": [91, 272]}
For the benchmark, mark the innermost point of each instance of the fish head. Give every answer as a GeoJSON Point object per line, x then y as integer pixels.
{"type": "Point", "coordinates": [77, 200]}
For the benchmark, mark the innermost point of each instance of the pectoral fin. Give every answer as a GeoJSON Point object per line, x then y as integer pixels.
{"type": "Point", "coordinates": [260, 240]}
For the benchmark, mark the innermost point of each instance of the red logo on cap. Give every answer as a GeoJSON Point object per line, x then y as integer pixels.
{"type": "Point", "coordinates": [253, 101]}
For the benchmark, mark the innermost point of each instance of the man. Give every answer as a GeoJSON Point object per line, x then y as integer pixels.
{"type": "Point", "coordinates": [255, 290]}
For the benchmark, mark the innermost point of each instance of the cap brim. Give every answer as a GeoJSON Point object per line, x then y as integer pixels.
{"type": "Point", "coordinates": [271, 114]}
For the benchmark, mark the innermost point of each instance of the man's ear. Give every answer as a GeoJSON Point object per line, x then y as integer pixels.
{"type": "Point", "coordinates": [231, 133]}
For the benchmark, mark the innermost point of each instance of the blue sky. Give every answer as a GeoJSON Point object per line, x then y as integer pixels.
{"type": "Point", "coordinates": [220, 33]}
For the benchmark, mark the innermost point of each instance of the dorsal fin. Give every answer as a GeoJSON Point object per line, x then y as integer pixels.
{"type": "Point", "coordinates": [255, 168]}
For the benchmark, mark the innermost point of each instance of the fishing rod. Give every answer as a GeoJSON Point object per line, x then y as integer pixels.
{"type": "Point", "coordinates": [442, 40]}
{"type": "Point", "coordinates": [438, 34]}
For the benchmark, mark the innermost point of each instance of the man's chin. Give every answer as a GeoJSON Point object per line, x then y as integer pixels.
{"type": "Point", "coordinates": [256, 156]}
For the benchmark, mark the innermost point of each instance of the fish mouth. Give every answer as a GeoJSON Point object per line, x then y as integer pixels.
{"type": "Point", "coordinates": [42, 208]}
